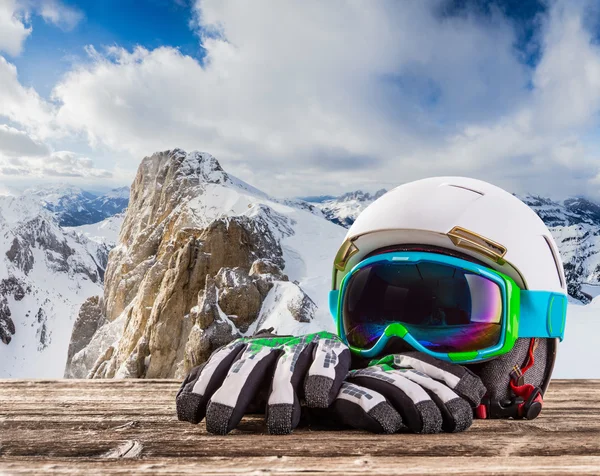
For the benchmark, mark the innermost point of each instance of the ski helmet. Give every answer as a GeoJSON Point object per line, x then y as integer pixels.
{"type": "Point", "coordinates": [479, 222]}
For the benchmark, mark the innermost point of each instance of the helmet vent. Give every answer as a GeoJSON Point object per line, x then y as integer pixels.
{"type": "Point", "coordinates": [466, 188]}
{"type": "Point", "coordinates": [557, 261]}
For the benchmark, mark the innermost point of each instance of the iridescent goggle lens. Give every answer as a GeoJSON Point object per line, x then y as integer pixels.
{"type": "Point", "coordinates": [445, 308]}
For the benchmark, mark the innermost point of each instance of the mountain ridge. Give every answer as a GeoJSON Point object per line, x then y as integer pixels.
{"type": "Point", "coordinates": [202, 258]}
{"type": "Point", "coordinates": [74, 206]}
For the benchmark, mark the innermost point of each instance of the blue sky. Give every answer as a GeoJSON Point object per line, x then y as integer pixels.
{"type": "Point", "coordinates": [304, 97]}
{"type": "Point", "coordinates": [128, 23]}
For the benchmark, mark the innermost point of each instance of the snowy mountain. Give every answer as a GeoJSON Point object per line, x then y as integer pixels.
{"type": "Point", "coordinates": [73, 206]}
{"type": "Point", "coordinates": [202, 258]}
{"type": "Point", "coordinates": [46, 272]}
{"type": "Point", "coordinates": [575, 225]}
{"type": "Point", "coordinates": [344, 209]}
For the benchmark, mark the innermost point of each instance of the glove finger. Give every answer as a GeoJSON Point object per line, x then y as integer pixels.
{"type": "Point", "coordinates": [419, 412]}
{"type": "Point", "coordinates": [229, 403]}
{"type": "Point", "coordinates": [457, 414]}
{"type": "Point", "coordinates": [365, 409]}
{"type": "Point", "coordinates": [460, 379]}
{"type": "Point", "coordinates": [283, 408]}
{"type": "Point", "coordinates": [331, 362]}
{"type": "Point", "coordinates": [203, 381]}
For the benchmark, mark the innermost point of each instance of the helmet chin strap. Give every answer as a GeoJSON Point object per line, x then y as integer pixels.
{"type": "Point", "coordinates": [528, 401]}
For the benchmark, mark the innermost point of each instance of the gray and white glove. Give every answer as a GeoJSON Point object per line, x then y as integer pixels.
{"type": "Point", "coordinates": [409, 392]}
{"type": "Point", "coordinates": [310, 368]}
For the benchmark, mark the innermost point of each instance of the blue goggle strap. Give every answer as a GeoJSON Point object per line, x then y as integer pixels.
{"type": "Point", "coordinates": [543, 314]}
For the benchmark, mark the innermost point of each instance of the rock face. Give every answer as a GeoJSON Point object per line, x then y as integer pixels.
{"type": "Point", "coordinates": [199, 254]}
{"type": "Point", "coordinates": [89, 319]}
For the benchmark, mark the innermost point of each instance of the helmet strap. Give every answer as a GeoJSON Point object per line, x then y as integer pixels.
{"type": "Point", "coordinates": [527, 401]}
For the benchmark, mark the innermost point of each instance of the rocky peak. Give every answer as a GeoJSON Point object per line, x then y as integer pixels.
{"type": "Point", "coordinates": [164, 181]}
{"type": "Point", "coordinates": [199, 254]}
{"type": "Point", "coordinates": [360, 196]}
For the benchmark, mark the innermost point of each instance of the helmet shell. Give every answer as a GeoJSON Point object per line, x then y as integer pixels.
{"type": "Point", "coordinates": [438, 211]}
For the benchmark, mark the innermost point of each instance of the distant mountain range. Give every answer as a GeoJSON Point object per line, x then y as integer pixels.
{"type": "Point", "coordinates": [73, 206]}
{"type": "Point", "coordinates": [54, 257]}
{"type": "Point", "coordinates": [344, 209]}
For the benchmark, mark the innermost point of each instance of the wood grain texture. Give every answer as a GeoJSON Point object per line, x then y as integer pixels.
{"type": "Point", "coordinates": [129, 426]}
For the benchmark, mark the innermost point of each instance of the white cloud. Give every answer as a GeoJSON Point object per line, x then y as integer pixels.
{"type": "Point", "coordinates": [59, 14]}
{"type": "Point", "coordinates": [13, 31]}
{"type": "Point", "coordinates": [306, 96]}
{"type": "Point", "coordinates": [289, 83]}
{"type": "Point", "coordinates": [56, 164]}
{"type": "Point", "coordinates": [15, 16]}
{"type": "Point", "coordinates": [16, 143]}
{"type": "Point", "coordinates": [24, 105]}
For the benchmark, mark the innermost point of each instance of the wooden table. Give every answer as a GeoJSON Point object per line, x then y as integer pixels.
{"type": "Point", "coordinates": [129, 426]}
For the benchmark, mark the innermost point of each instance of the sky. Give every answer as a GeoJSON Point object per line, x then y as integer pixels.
{"type": "Point", "coordinates": [304, 97]}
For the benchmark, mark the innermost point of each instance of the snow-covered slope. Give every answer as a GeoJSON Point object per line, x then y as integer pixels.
{"type": "Point", "coordinates": [579, 353]}
{"type": "Point", "coordinates": [106, 231]}
{"type": "Point", "coordinates": [99, 238]}
{"type": "Point", "coordinates": [46, 273]}
{"type": "Point", "coordinates": [73, 206]}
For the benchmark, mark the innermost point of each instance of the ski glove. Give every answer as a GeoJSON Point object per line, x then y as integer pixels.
{"type": "Point", "coordinates": [411, 391]}
{"type": "Point", "coordinates": [310, 367]}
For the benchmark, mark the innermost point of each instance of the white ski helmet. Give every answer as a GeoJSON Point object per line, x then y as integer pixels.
{"type": "Point", "coordinates": [474, 220]}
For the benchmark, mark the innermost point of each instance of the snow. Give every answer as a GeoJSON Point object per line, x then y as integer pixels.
{"type": "Point", "coordinates": [275, 313]}
{"type": "Point", "coordinates": [579, 353]}
{"type": "Point", "coordinates": [55, 295]}
{"type": "Point", "coordinates": [106, 231]}
{"type": "Point", "coordinates": [346, 208]}
{"type": "Point", "coordinates": [591, 289]}
{"type": "Point", "coordinates": [55, 193]}
{"type": "Point", "coordinates": [74, 206]}
{"type": "Point", "coordinates": [121, 192]}
{"type": "Point", "coordinates": [20, 209]}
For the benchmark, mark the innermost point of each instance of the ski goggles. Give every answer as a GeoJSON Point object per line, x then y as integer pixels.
{"type": "Point", "coordinates": [444, 306]}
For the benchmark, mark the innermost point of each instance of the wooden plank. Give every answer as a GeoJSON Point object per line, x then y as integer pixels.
{"type": "Point", "coordinates": [303, 466]}
{"type": "Point", "coordinates": [129, 426]}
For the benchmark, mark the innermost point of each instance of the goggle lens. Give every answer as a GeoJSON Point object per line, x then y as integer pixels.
{"type": "Point", "coordinates": [445, 308]}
